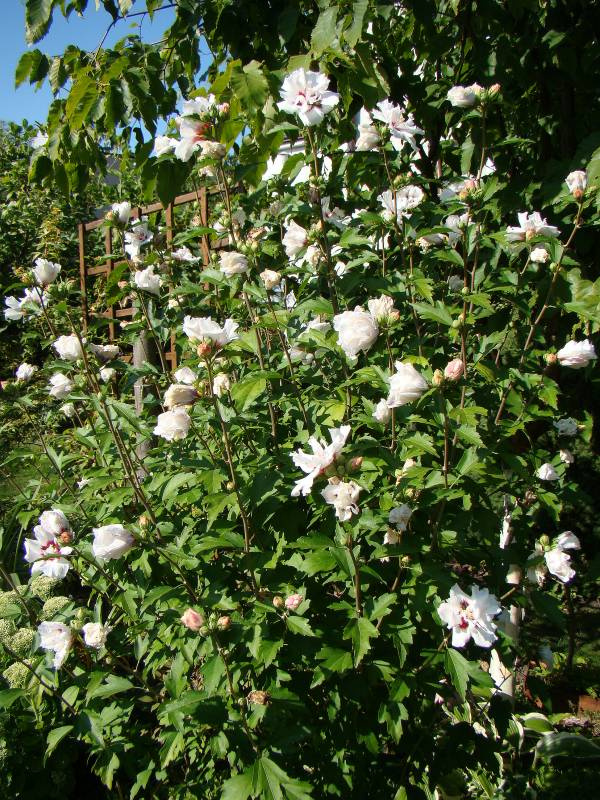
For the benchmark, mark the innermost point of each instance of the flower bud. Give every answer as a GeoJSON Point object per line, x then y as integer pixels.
{"type": "Point", "coordinates": [224, 622]}
{"type": "Point", "coordinates": [143, 521]}
{"type": "Point", "coordinates": [438, 378]}
{"type": "Point", "coordinates": [545, 540]}
{"type": "Point", "coordinates": [293, 601]}
{"type": "Point", "coordinates": [469, 187]}
{"type": "Point", "coordinates": [454, 370]}
{"type": "Point", "coordinates": [406, 561]}
{"type": "Point", "coordinates": [192, 620]}
{"type": "Point", "coordinates": [230, 486]}
{"type": "Point", "coordinates": [278, 601]}
{"type": "Point", "coordinates": [577, 183]}
{"type": "Point", "coordinates": [354, 464]}
{"type": "Point", "coordinates": [529, 498]}
{"type": "Point", "coordinates": [80, 615]}
{"type": "Point", "coordinates": [258, 698]}
{"type": "Point", "coordinates": [270, 278]}
{"type": "Point", "coordinates": [550, 358]}
{"type": "Point", "coordinates": [204, 349]}
{"type": "Point", "coordinates": [65, 537]}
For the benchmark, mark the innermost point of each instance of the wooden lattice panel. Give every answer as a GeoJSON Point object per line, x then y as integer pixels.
{"type": "Point", "coordinates": [88, 273]}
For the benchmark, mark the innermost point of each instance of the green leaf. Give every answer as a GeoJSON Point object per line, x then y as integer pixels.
{"type": "Point", "coordinates": [114, 684]}
{"type": "Point", "coordinates": [8, 697]}
{"type": "Point", "coordinates": [535, 721]}
{"type": "Point", "coordinates": [250, 87]}
{"type": "Point", "coordinates": [457, 667]}
{"type": "Point", "coordinates": [55, 737]}
{"type": "Point", "coordinates": [170, 176]}
{"type": "Point", "coordinates": [469, 435]}
{"type": "Point", "coordinates": [419, 443]}
{"type": "Point", "coordinates": [81, 98]}
{"type": "Point", "coordinates": [566, 745]}
{"type": "Point", "coordinates": [360, 631]}
{"type": "Point", "coordinates": [334, 659]}
{"type": "Point", "coordinates": [239, 787]}
{"type": "Point", "coordinates": [353, 33]}
{"type": "Point", "coordinates": [24, 66]}
{"type": "Point", "coordinates": [299, 625]}
{"type": "Point", "coordinates": [247, 391]}
{"type": "Point", "coordinates": [268, 779]}
{"type": "Point", "coordinates": [213, 671]}
{"type": "Point", "coordinates": [468, 462]}
{"type": "Point", "coordinates": [549, 607]}
{"type": "Point", "coordinates": [38, 16]}
{"type": "Point", "coordinates": [176, 482]}
{"type": "Point", "coordinates": [437, 313]}
{"type": "Point", "coordinates": [323, 34]}
{"type": "Point", "coordinates": [381, 606]}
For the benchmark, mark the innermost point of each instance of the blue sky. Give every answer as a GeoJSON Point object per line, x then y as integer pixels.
{"type": "Point", "coordinates": [86, 32]}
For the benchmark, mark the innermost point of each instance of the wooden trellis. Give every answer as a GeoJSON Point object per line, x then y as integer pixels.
{"type": "Point", "coordinates": [88, 273]}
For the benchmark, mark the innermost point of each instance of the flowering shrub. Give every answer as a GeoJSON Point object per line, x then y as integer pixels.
{"type": "Point", "coordinates": [308, 562]}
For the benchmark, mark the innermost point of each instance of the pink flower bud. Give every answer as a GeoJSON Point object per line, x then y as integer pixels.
{"type": "Point", "coordinates": [354, 464]}
{"type": "Point", "coordinates": [204, 349]}
{"type": "Point", "coordinates": [192, 620]}
{"type": "Point", "coordinates": [293, 601]}
{"type": "Point", "coordinates": [454, 370]}
{"type": "Point", "coordinates": [469, 186]}
{"type": "Point", "coordinates": [223, 623]}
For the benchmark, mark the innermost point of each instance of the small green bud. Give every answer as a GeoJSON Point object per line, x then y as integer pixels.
{"type": "Point", "coordinates": [438, 378]}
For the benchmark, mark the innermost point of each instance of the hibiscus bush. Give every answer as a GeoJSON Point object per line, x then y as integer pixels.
{"type": "Point", "coordinates": [344, 548]}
